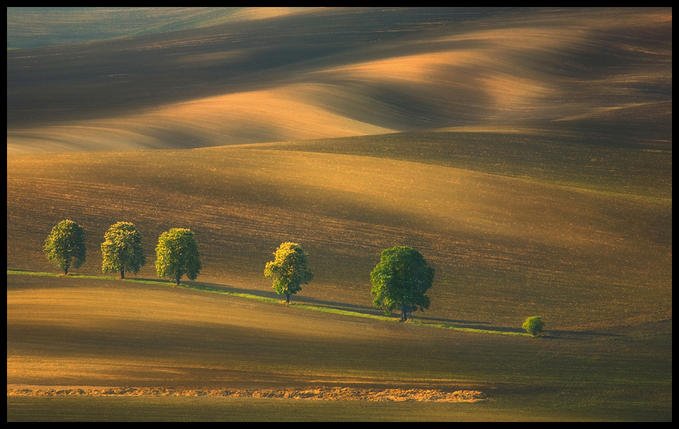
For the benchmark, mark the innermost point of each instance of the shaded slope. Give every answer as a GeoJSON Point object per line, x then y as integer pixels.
{"type": "Point", "coordinates": [628, 165]}
{"type": "Point", "coordinates": [44, 26]}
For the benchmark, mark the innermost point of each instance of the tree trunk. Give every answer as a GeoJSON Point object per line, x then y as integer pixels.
{"type": "Point", "coordinates": [404, 313]}
{"type": "Point", "coordinates": [287, 298]}
{"type": "Point", "coordinates": [122, 273]}
{"type": "Point", "coordinates": [176, 280]}
{"type": "Point", "coordinates": [65, 271]}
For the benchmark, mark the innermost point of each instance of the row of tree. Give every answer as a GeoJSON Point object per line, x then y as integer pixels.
{"type": "Point", "coordinates": [399, 281]}
{"type": "Point", "coordinates": [121, 251]}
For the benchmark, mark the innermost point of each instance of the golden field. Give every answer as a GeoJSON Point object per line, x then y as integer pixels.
{"type": "Point", "coordinates": [526, 153]}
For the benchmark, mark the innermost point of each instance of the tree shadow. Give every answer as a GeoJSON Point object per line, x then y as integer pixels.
{"type": "Point", "coordinates": [442, 320]}
{"type": "Point", "coordinates": [336, 305]}
{"type": "Point", "coordinates": [425, 320]}
{"type": "Point", "coordinates": [576, 335]}
{"type": "Point", "coordinates": [219, 287]}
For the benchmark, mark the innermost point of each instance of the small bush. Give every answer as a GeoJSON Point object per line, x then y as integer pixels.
{"type": "Point", "coordinates": [533, 325]}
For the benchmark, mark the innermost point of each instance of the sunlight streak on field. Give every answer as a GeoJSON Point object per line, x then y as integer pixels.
{"type": "Point", "coordinates": [257, 13]}
{"type": "Point", "coordinates": [265, 115]}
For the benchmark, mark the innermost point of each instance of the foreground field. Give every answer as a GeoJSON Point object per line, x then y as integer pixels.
{"type": "Point", "coordinates": [84, 332]}
{"type": "Point", "coordinates": [521, 407]}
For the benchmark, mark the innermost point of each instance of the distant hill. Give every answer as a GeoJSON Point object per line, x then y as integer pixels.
{"type": "Point", "coordinates": [33, 27]}
{"type": "Point", "coordinates": [203, 77]}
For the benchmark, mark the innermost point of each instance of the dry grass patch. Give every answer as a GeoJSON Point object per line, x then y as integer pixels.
{"type": "Point", "coordinates": [322, 393]}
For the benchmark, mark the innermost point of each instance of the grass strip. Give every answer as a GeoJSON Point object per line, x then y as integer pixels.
{"type": "Point", "coordinates": [268, 300]}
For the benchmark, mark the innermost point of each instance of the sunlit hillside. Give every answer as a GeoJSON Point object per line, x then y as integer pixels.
{"type": "Point", "coordinates": [578, 245]}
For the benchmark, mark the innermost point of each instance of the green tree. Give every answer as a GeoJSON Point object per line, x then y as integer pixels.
{"type": "Point", "coordinates": [65, 245]}
{"type": "Point", "coordinates": [121, 250]}
{"type": "Point", "coordinates": [288, 270]}
{"type": "Point", "coordinates": [400, 281]}
{"type": "Point", "coordinates": [533, 325]}
{"type": "Point", "coordinates": [177, 254]}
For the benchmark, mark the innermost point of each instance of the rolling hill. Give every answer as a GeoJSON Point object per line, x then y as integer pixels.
{"type": "Point", "coordinates": [526, 153]}
{"type": "Point", "coordinates": [341, 72]}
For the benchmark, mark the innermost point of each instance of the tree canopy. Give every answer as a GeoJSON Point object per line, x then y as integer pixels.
{"type": "Point", "coordinates": [533, 325]}
{"type": "Point", "coordinates": [121, 250]}
{"type": "Point", "coordinates": [65, 245]}
{"type": "Point", "coordinates": [177, 254]}
{"type": "Point", "coordinates": [400, 280]}
{"type": "Point", "coordinates": [289, 269]}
